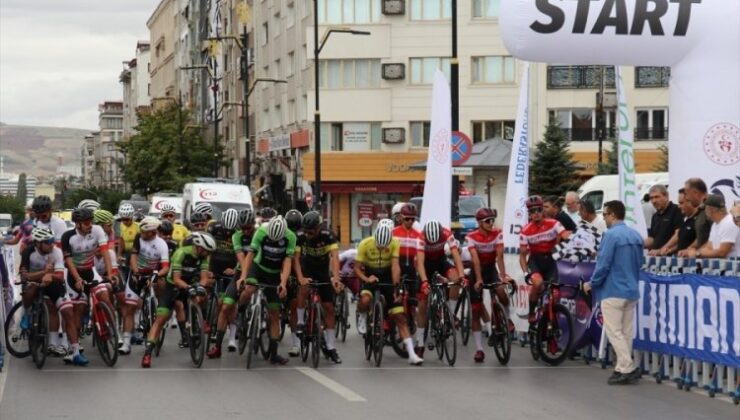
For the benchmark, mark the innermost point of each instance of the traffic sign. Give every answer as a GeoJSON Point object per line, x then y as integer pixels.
{"type": "Point", "coordinates": [462, 148]}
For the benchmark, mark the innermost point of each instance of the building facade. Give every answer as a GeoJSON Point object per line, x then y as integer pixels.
{"type": "Point", "coordinates": [162, 37]}
{"type": "Point", "coordinates": [136, 86]}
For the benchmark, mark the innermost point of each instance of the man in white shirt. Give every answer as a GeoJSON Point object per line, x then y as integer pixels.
{"type": "Point", "coordinates": [587, 213]}
{"type": "Point", "coordinates": [573, 207]}
{"type": "Point", "coordinates": [724, 235]}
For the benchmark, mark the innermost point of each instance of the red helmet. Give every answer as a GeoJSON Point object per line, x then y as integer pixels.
{"type": "Point", "coordinates": [409, 210]}
{"type": "Point", "coordinates": [484, 213]}
{"type": "Point", "coordinates": [535, 201]}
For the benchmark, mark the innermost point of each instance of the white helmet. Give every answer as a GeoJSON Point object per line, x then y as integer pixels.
{"type": "Point", "coordinates": [149, 224]}
{"type": "Point", "coordinates": [230, 219]}
{"type": "Point", "coordinates": [41, 234]}
{"type": "Point", "coordinates": [432, 231]}
{"type": "Point", "coordinates": [276, 228]}
{"type": "Point", "coordinates": [383, 234]}
{"type": "Point", "coordinates": [126, 210]}
{"type": "Point", "coordinates": [388, 222]}
{"type": "Point", "coordinates": [204, 240]}
{"type": "Point", "coordinates": [204, 208]}
{"type": "Point", "coordinates": [396, 210]}
{"type": "Point", "coordinates": [167, 208]}
{"type": "Point", "coordinates": [89, 204]}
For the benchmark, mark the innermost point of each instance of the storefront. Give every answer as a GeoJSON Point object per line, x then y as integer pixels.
{"type": "Point", "coordinates": [278, 172]}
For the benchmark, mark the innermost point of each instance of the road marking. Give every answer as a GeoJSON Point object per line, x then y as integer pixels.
{"type": "Point", "coordinates": [4, 374]}
{"type": "Point", "coordinates": [333, 385]}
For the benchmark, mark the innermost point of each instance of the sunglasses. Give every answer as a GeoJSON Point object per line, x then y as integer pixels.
{"type": "Point", "coordinates": [488, 221]}
{"type": "Point", "coordinates": [199, 225]}
{"type": "Point", "coordinates": [169, 216]}
{"type": "Point", "coordinates": [126, 220]}
{"type": "Point", "coordinates": [409, 219]}
{"type": "Point", "coordinates": [536, 210]}
{"type": "Point", "coordinates": [49, 242]}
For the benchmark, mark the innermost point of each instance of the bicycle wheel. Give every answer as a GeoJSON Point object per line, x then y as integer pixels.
{"type": "Point", "coordinates": [377, 332]}
{"type": "Point", "coordinates": [449, 336]}
{"type": "Point", "coordinates": [394, 337]}
{"type": "Point", "coordinates": [197, 336]}
{"type": "Point", "coordinates": [106, 334]}
{"type": "Point", "coordinates": [39, 339]}
{"type": "Point", "coordinates": [340, 321]}
{"type": "Point", "coordinates": [253, 335]}
{"type": "Point", "coordinates": [264, 337]}
{"type": "Point", "coordinates": [306, 336]}
{"type": "Point", "coordinates": [437, 327]}
{"type": "Point", "coordinates": [242, 331]}
{"type": "Point", "coordinates": [464, 312]}
{"type": "Point", "coordinates": [368, 336]}
{"type": "Point", "coordinates": [500, 330]}
{"type": "Point", "coordinates": [16, 338]}
{"type": "Point", "coordinates": [555, 336]}
{"type": "Point", "coordinates": [315, 335]}
{"type": "Point", "coordinates": [284, 321]}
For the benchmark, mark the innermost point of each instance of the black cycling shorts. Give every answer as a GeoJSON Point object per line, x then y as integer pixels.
{"type": "Point", "coordinates": [326, 291]}
{"type": "Point", "coordinates": [490, 276]}
{"type": "Point", "coordinates": [411, 282]}
{"type": "Point", "coordinates": [169, 296]}
{"type": "Point", "coordinates": [392, 307]}
{"type": "Point", "coordinates": [443, 267]}
{"type": "Point", "coordinates": [545, 265]}
{"type": "Point", "coordinates": [56, 292]}
{"type": "Point", "coordinates": [258, 275]}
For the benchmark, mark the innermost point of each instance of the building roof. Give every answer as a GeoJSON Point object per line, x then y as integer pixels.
{"type": "Point", "coordinates": [488, 154]}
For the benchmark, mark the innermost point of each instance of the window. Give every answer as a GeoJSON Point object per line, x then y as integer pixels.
{"type": "Point", "coordinates": [650, 77]}
{"type": "Point", "coordinates": [291, 111]}
{"type": "Point", "coordinates": [277, 69]}
{"type": "Point", "coordinates": [349, 74]}
{"type": "Point", "coordinates": [431, 9]}
{"type": "Point", "coordinates": [290, 15]}
{"type": "Point", "coordinates": [484, 130]}
{"type": "Point", "coordinates": [485, 9]}
{"type": "Point", "coordinates": [420, 133]}
{"type": "Point", "coordinates": [290, 69]}
{"type": "Point", "coordinates": [579, 77]}
{"type": "Point", "coordinates": [266, 70]}
{"type": "Point", "coordinates": [349, 11]}
{"type": "Point", "coordinates": [651, 124]}
{"type": "Point", "coordinates": [493, 69]}
{"type": "Point", "coordinates": [266, 119]}
{"type": "Point", "coordinates": [276, 24]}
{"type": "Point", "coordinates": [579, 124]}
{"type": "Point", "coordinates": [265, 33]}
{"type": "Point", "coordinates": [226, 62]}
{"type": "Point", "coordinates": [303, 108]}
{"type": "Point", "coordinates": [337, 139]}
{"type": "Point", "coordinates": [423, 69]}
{"type": "Point", "coordinates": [302, 57]}
{"type": "Point", "coordinates": [277, 121]}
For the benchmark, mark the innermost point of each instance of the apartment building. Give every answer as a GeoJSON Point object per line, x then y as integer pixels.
{"type": "Point", "coordinates": [100, 153]}
{"type": "Point", "coordinates": [162, 38]}
{"type": "Point", "coordinates": [136, 86]}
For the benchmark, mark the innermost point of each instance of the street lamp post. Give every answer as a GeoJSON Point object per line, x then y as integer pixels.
{"type": "Point", "coordinates": [455, 102]}
{"type": "Point", "coordinates": [317, 47]}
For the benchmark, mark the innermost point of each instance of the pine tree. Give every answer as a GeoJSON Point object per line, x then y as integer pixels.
{"type": "Point", "coordinates": [662, 164]}
{"type": "Point", "coordinates": [22, 190]}
{"type": "Point", "coordinates": [553, 170]}
{"type": "Point", "coordinates": [611, 166]}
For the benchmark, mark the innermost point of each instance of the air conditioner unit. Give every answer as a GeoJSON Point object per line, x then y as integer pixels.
{"type": "Point", "coordinates": [394, 135]}
{"type": "Point", "coordinates": [394, 71]}
{"type": "Point", "coordinates": [394, 7]}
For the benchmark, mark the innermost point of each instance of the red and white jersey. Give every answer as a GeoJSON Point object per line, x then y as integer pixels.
{"type": "Point", "coordinates": [542, 237]}
{"type": "Point", "coordinates": [436, 251]}
{"type": "Point", "coordinates": [486, 244]}
{"type": "Point", "coordinates": [409, 239]}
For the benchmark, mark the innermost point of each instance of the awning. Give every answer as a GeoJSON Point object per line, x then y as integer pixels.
{"type": "Point", "coordinates": [364, 187]}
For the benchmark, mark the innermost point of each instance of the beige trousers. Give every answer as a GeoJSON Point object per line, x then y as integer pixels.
{"type": "Point", "coordinates": [619, 315]}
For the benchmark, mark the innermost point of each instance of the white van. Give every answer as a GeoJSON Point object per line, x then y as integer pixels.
{"type": "Point", "coordinates": [159, 199]}
{"type": "Point", "coordinates": [603, 188]}
{"type": "Point", "coordinates": [6, 222]}
{"type": "Point", "coordinates": [220, 195]}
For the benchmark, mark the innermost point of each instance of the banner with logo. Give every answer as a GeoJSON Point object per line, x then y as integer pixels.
{"type": "Point", "coordinates": [690, 315]}
{"type": "Point", "coordinates": [517, 185]}
{"type": "Point", "coordinates": [704, 126]}
{"type": "Point", "coordinates": [437, 203]}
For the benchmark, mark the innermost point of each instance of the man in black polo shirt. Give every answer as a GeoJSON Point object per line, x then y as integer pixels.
{"type": "Point", "coordinates": [666, 220]}
{"type": "Point", "coordinates": [554, 209]}
{"type": "Point", "coordinates": [696, 193]}
{"type": "Point", "coordinates": [686, 233]}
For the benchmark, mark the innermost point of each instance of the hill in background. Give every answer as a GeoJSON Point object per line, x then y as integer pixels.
{"type": "Point", "coordinates": [35, 150]}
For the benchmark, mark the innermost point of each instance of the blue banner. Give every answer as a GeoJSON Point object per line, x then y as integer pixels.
{"type": "Point", "coordinates": [587, 319]}
{"type": "Point", "coordinates": [690, 315]}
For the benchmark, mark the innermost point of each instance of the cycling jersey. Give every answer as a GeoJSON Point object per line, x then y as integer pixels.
{"type": "Point", "coordinates": [187, 262]}
{"type": "Point", "coordinates": [271, 254]}
{"type": "Point", "coordinates": [224, 256]}
{"type": "Point", "coordinates": [32, 261]}
{"type": "Point", "coordinates": [436, 251]}
{"type": "Point", "coordinates": [24, 232]}
{"type": "Point", "coordinates": [347, 263]}
{"type": "Point", "coordinates": [541, 238]}
{"type": "Point", "coordinates": [151, 255]}
{"type": "Point", "coordinates": [409, 240]}
{"type": "Point", "coordinates": [241, 243]}
{"type": "Point", "coordinates": [100, 262]}
{"type": "Point", "coordinates": [56, 225]}
{"type": "Point", "coordinates": [315, 252]}
{"type": "Point", "coordinates": [128, 234]}
{"type": "Point", "coordinates": [486, 244]}
{"type": "Point", "coordinates": [83, 248]}
{"type": "Point", "coordinates": [179, 233]}
{"type": "Point", "coordinates": [374, 258]}
{"type": "Point", "coordinates": [171, 246]}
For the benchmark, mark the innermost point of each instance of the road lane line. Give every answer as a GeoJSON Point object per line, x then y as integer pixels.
{"type": "Point", "coordinates": [333, 385]}
{"type": "Point", "coordinates": [4, 374]}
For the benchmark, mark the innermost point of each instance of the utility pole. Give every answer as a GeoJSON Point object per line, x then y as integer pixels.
{"type": "Point", "coordinates": [316, 112]}
{"type": "Point", "coordinates": [214, 87]}
{"type": "Point", "coordinates": [455, 101]}
{"type": "Point", "coordinates": [244, 76]}
{"type": "Point", "coordinates": [600, 119]}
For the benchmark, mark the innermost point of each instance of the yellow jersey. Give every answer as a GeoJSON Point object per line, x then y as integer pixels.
{"type": "Point", "coordinates": [374, 258]}
{"type": "Point", "coordinates": [179, 233]}
{"type": "Point", "coordinates": [128, 234]}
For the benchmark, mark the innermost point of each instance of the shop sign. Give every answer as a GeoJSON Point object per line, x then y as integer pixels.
{"type": "Point", "coordinates": [356, 137]}
{"type": "Point", "coordinates": [280, 142]}
{"type": "Point", "coordinates": [365, 213]}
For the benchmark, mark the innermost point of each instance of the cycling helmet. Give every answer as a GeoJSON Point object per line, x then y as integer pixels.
{"type": "Point", "coordinates": [126, 211]}
{"type": "Point", "coordinates": [42, 234]}
{"type": "Point", "coordinates": [149, 224]}
{"type": "Point", "coordinates": [204, 208]}
{"type": "Point", "coordinates": [89, 204]}
{"type": "Point", "coordinates": [388, 222]}
{"type": "Point", "coordinates": [204, 241]}
{"type": "Point", "coordinates": [167, 208]}
{"type": "Point", "coordinates": [41, 204]}
{"type": "Point", "coordinates": [166, 227]}
{"type": "Point", "coordinates": [383, 235]}
{"type": "Point", "coordinates": [409, 210]}
{"type": "Point", "coordinates": [484, 213]}
{"type": "Point", "coordinates": [535, 201]}
{"type": "Point", "coordinates": [81, 214]}
{"type": "Point", "coordinates": [102, 217]}
{"type": "Point", "coordinates": [294, 218]}
{"type": "Point", "coordinates": [432, 231]}
{"type": "Point", "coordinates": [198, 218]}
{"type": "Point", "coordinates": [268, 213]}
{"type": "Point", "coordinates": [230, 219]}
{"type": "Point", "coordinates": [312, 220]}
{"type": "Point", "coordinates": [396, 210]}
{"type": "Point", "coordinates": [276, 228]}
{"type": "Point", "coordinates": [246, 217]}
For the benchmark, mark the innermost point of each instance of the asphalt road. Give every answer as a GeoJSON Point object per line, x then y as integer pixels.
{"type": "Point", "coordinates": [224, 389]}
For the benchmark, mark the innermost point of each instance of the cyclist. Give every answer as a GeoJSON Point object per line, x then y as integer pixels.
{"type": "Point", "coordinates": [150, 255]}
{"type": "Point", "coordinates": [169, 213]}
{"type": "Point", "coordinates": [268, 261]}
{"type": "Point", "coordinates": [377, 261]}
{"type": "Point", "coordinates": [198, 222]}
{"type": "Point", "coordinates": [128, 231]}
{"type": "Point", "coordinates": [265, 215]}
{"type": "Point", "coordinates": [408, 238]}
{"type": "Point", "coordinates": [41, 206]}
{"type": "Point", "coordinates": [430, 259]}
{"type": "Point", "coordinates": [294, 218]}
{"type": "Point", "coordinates": [317, 253]}
{"type": "Point", "coordinates": [205, 209]}
{"type": "Point", "coordinates": [396, 214]}
{"type": "Point", "coordinates": [22, 233]}
{"type": "Point", "coordinates": [241, 241]}
{"type": "Point", "coordinates": [189, 265]}
{"type": "Point", "coordinates": [486, 246]}
{"type": "Point", "coordinates": [79, 247]}
{"type": "Point", "coordinates": [42, 264]}
{"type": "Point", "coordinates": [165, 231]}
{"type": "Point", "coordinates": [91, 205]}
{"type": "Point", "coordinates": [537, 243]}
{"type": "Point", "coordinates": [104, 219]}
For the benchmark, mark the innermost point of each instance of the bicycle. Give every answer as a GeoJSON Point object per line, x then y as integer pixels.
{"type": "Point", "coordinates": [551, 335]}
{"type": "Point", "coordinates": [103, 325]}
{"type": "Point", "coordinates": [30, 324]}
{"type": "Point", "coordinates": [257, 323]}
{"type": "Point", "coordinates": [500, 334]}
{"type": "Point", "coordinates": [341, 313]}
{"type": "Point", "coordinates": [149, 309]}
{"type": "Point", "coordinates": [380, 331]}
{"type": "Point", "coordinates": [440, 323]}
{"type": "Point", "coordinates": [311, 339]}
{"type": "Point", "coordinates": [211, 313]}
{"type": "Point", "coordinates": [194, 324]}
{"type": "Point", "coordinates": [464, 312]}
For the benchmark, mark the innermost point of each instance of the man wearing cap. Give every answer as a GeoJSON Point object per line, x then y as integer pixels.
{"type": "Point", "coordinates": [724, 235]}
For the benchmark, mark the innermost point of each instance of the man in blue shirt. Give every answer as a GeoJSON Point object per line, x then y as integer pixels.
{"type": "Point", "coordinates": [615, 282]}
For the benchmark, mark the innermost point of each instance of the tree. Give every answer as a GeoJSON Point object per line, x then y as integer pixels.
{"type": "Point", "coordinates": [165, 155]}
{"type": "Point", "coordinates": [553, 170]}
{"type": "Point", "coordinates": [15, 207]}
{"type": "Point", "coordinates": [662, 164]}
{"type": "Point", "coordinates": [22, 190]}
{"type": "Point", "coordinates": [611, 166]}
{"type": "Point", "coordinates": [109, 199]}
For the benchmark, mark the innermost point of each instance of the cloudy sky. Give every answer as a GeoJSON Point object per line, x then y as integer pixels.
{"type": "Point", "coordinates": [60, 58]}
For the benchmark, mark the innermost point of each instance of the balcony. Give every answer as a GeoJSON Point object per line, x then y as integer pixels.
{"type": "Point", "coordinates": [579, 77]}
{"type": "Point", "coordinates": [587, 134]}
{"type": "Point", "coordinates": [652, 77]}
{"type": "Point", "coordinates": [651, 133]}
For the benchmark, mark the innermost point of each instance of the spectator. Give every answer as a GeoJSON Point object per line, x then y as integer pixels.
{"type": "Point", "coordinates": [573, 206]}
{"type": "Point", "coordinates": [724, 235]}
{"type": "Point", "coordinates": [615, 284]}
{"type": "Point", "coordinates": [553, 209]}
{"type": "Point", "coordinates": [686, 233]}
{"type": "Point", "coordinates": [647, 210]}
{"type": "Point", "coordinates": [666, 220]}
{"type": "Point", "coordinates": [588, 214]}
{"type": "Point", "coordinates": [696, 193]}
{"type": "Point", "coordinates": [736, 214]}
{"type": "Point", "coordinates": [585, 241]}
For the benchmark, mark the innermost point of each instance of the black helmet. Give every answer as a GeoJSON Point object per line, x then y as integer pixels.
{"type": "Point", "coordinates": [312, 220]}
{"type": "Point", "coordinates": [268, 213]}
{"type": "Point", "coordinates": [41, 204]}
{"type": "Point", "coordinates": [294, 219]}
{"type": "Point", "coordinates": [165, 227]}
{"type": "Point", "coordinates": [246, 217]}
{"type": "Point", "coordinates": [81, 214]}
{"type": "Point", "coordinates": [198, 218]}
